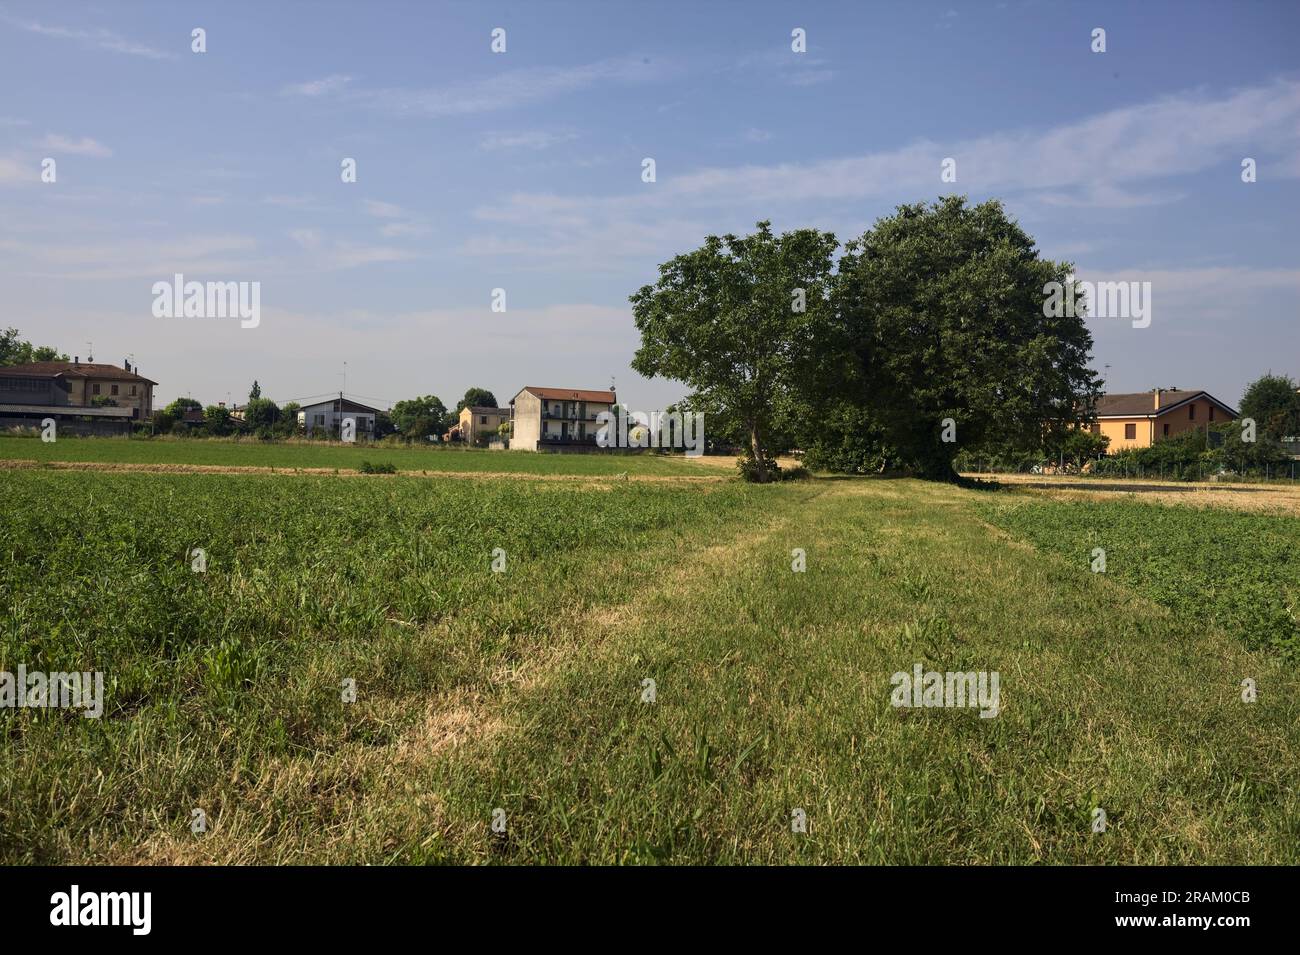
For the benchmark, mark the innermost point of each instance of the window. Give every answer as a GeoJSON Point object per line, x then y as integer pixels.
{"type": "Point", "coordinates": [1191, 412]}
{"type": "Point", "coordinates": [133, 391]}
{"type": "Point", "coordinates": [1166, 429]}
{"type": "Point", "coordinates": [1130, 431]}
{"type": "Point", "coordinates": [482, 419]}
{"type": "Point", "coordinates": [1211, 412]}
{"type": "Point", "coordinates": [114, 387]}
{"type": "Point", "coordinates": [94, 389]}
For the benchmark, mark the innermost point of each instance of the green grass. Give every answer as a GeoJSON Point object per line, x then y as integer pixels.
{"type": "Point", "coordinates": [522, 691]}
{"type": "Point", "coordinates": [289, 455]}
{"type": "Point", "coordinates": [1235, 571]}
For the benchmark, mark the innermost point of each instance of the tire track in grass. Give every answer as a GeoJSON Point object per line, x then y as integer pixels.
{"type": "Point", "coordinates": [772, 694]}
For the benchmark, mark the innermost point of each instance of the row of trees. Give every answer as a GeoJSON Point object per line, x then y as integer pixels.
{"type": "Point", "coordinates": [925, 336]}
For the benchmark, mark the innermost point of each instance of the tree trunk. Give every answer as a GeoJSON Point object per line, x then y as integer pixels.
{"type": "Point", "coordinates": [760, 459]}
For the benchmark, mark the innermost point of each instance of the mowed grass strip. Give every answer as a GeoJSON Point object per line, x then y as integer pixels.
{"type": "Point", "coordinates": [773, 695]}
{"type": "Point", "coordinates": [287, 455]}
{"type": "Point", "coordinates": [221, 683]}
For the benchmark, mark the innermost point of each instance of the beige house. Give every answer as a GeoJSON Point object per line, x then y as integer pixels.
{"type": "Point", "coordinates": [557, 419]}
{"type": "Point", "coordinates": [1140, 420]}
{"type": "Point", "coordinates": [481, 422]}
{"type": "Point", "coordinates": [76, 389]}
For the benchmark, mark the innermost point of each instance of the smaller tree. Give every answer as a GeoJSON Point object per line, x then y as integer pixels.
{"type": "Point", "coordinates": [745, 322]}
{"type": "Point", "coordinates": [217, 420]}
{"type": "Point", "coordinates": [261, 413]}
{"type": "Point", "coordinates": [255, 392]}
{"type": "Point", "coordinates": [178, 407]}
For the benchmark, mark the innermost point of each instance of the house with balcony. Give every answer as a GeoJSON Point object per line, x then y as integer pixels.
{"type": "Point", "coordinates": [557, 419]}
{"type": "Point", "coordinates": [1140, 420]}
{"type": "Point", "coordinates": [90, 397]}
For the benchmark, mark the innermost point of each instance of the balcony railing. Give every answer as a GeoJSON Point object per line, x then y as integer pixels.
{"type": "Point", "coordinates": [568, 439]}
{"type": "Point", "coordinates": [572, 416]}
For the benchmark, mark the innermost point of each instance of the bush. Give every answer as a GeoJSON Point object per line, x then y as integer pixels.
{"type": "Point", "coordinates": [368, 468]}
{"type": "Point", "coordinates": [748, 468]}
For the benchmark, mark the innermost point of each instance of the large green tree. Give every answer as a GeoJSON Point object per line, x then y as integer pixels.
{"type": "Point", "coordinates": [419, 417]}
{"type": "Point", "coordinates": [953, 347]}
{"type": "Point", "coordinates": [742, 321]}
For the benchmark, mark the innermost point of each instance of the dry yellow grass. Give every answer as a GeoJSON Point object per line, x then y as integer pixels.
{"type": "Point", "coordinates": [1243, 497]}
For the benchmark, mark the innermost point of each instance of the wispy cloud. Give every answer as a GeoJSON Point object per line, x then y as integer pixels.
{"type": "Point", "coordinates": [1123, 158]}
{"type": "Point", "coordinates": [288, 202]}
{"type": "Point", "coordinates": [508, 89]}
{"type": "Point", "coordinates": [328, 84]}
{"type": "Point", "coordinates": [526, 139]}
{"type": "Point", "coordinates": [786, 66]}
{"type": "Point", "coordinates": [99, 39]}
{"type": "Point", "coordinates": [85, 146]}
{"type": "Point", "coordinates": [383, 210]}
{"type": "Point", "coordinates": [400, 224]}
{"type": "Point", "coordinates": [14, 172]}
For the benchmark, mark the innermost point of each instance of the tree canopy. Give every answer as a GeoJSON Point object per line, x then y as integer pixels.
{"type": "Point", "coordinates": [943, 304]}
{"type": "Point", "coordinates": [928, 336]}
{"type": "Point", "coordinates": [743, 321]}
{"type": "Point", "coordinates": [419, 417]}
{"type": "Point", "coordinates": [477, 398]}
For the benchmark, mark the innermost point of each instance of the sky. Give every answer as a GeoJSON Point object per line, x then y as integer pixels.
{"type": "Point", "coordinates": [522, 170]}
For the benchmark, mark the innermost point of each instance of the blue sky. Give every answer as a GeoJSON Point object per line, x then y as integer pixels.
{"type": "Point", "coordinates": [522, 171]}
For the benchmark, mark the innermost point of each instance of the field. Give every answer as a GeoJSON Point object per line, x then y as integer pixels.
{"type": "Point", "coordinates": [226, 454]}
{"type": "Point", "coordinates": [522, 694]}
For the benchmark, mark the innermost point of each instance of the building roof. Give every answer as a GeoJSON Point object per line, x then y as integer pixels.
{"type": "Point", "coordinates": [484, 409]}
{"type": "Point", "coordinates": [68, 369]}
{"type": "Point", "coordinates": [1143, 403]}
{"type": "Point", "coordinates": [344, 404]}
{"type": "Point", "coordinates": [570, 394]}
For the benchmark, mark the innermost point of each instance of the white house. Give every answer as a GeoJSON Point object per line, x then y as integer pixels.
{"type": "Point", "coordinates": [329, 416]}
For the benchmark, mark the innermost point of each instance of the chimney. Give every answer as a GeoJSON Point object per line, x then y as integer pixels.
{"type": "Point", "coordinates": [126, 364]}
{"type": "Point", "coordinates": [1157, 408]}
{"type": "Point", "coordinates": [76, 360]}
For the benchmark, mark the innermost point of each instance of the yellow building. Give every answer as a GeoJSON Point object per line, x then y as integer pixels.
{"type": "Point", "coordinates": [481, 422]}
{"type": "Point", "coordinates": [1139, 420]}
